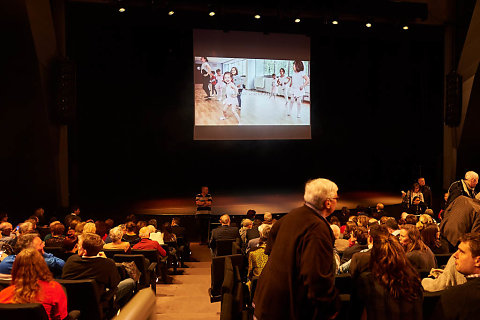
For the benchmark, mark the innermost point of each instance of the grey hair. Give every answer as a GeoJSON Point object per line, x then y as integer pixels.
{"type": "Point", "coordinates": [471, 175]}
{"type": "Point", "coordinates": [116, 234]}
{"type": "Point", "coordinates": [264, 230]}
{"type": "Point", "coordinates": [336, 230]}
{"type": "Point", "coordinates": [319, 190]}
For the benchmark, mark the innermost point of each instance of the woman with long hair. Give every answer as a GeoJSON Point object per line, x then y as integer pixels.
{"type": "Point", "coordinates": [416, 250]}
{"type": "Point", "coordinates": [32, 282]}
{"type": "Point", "coordinates": [431, 238]}
{"type": "Point", "coordinates": [392, 290]}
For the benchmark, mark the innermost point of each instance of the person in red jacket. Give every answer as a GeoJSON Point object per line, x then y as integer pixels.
{"type": "Point", "coordinates": [147, 244]}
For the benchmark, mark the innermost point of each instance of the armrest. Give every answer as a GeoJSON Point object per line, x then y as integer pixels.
{"type": "Point", "coordinates": [152, 267]}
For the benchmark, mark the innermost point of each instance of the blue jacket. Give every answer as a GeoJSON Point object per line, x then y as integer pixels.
{"type": "Point", "coordinates": [54, 264]}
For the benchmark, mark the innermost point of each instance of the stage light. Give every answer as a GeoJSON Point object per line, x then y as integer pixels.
{"type": "Point", "coordinates": [368, 25]}
{"type": "Point", "coordinates": [122, 9]}
{"type": "Point", "coordinates": [171, 13]}
{"type": "Point", "coordinates": [257, 16]}
{"type": "Point", "coordinates": [405, 27]}
{"type": "Point", "coordinates": [211, 13]}
{"type": "Point", "coordinates": [297, 20]}
{"type": "Point", "coordinates": [334, 21]}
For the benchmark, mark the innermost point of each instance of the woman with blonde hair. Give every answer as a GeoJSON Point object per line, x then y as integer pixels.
{"type": "Point", "coordinates": [116, 235]}
{"type": "Point", "coordinates": [32, 282]}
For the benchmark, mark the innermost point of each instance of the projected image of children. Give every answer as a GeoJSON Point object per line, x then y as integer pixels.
{"type": "Point", "coordinates": [242, 91]}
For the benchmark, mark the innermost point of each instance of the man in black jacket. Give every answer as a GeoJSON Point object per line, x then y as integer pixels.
{"type": "Point", "coordinates": [224, 232]}
{"type": "Point", "coordinates": [463, 187]}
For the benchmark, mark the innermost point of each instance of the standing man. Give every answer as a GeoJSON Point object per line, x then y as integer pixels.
{"type": "Point", "coordinates": [426, 191]}
{"type": "Point", "coordinates": [203, 202]}
{"type": "Point", "coordinates": [463, 187]}
{"type": "Point", "coordinates": [298, 280]}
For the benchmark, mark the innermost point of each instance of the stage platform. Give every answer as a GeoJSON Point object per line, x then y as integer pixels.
{"type": "Point", "coordinates": [238, 204]}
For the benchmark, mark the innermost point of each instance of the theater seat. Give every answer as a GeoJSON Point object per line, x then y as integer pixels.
{"type": "Point", "coordinates": [142, 306]}
{"type": "Point", "coordinates": [82, 295]}
{"type": "Point", "coordinates": [23, 311]}
{"type": "Point", "coordinates": [217, 274]}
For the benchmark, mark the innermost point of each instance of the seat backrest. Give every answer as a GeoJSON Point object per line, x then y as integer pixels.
{"type": "Point", "coordinates": [344, 283]}
{"type": "Point", "coordinates": [151, 255]}
{"type": "Point", "coordinates": [224, 247]}
{"type": "Point", "coordinates": [56, 251]}
{"type": "Point", "coordinates": [82, 295]}
{"type": "Point", "coordinates": [111, 252]}
{"type": "Point", "coordinates": [140, 262]}
{"type": "Point", "coordinates": [4, 283]}
{"type": "Point", "coordinates": [442, 259]}
{"type": "Point", "coordinates": [23, 311]}
{"type": "Point", "coordinates": [228, 277]}
{"type": "Point", "coordinates": [218, 271]}
{"type": "Point", "coordinates": [141, 306]}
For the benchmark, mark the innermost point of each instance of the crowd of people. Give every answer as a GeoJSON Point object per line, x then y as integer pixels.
{"type": "Point", "coordinates": [81, 243]}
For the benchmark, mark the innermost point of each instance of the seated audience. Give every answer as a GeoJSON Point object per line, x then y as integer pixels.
{"type": "Point", "coordinates": [257, 259]}
{"type": "Point", "coordinates": [360, 235]}
{"type": "Point", "coordinates": [392, 289]}
{"type": "Point", "coordinates": [417, 207]}
{"type": "Point", "coordinates": [70, 242]}
{"type": "Point", "coordinates": [392, 227]}
{"type": "Point", "coordinates": [411, 219]}
{"type": "Point", "coordinates": [431, 237]}
{"type": "Point", "coordinates": [268, 218]}
{"type": "Point", "coordinates": [254, 243]}
{"type": "Point", "coordinates": [131, 235]}
{"type": "Point", "coordinates": [79, 228]}
{"type": "Point", "coordinates": [89, 265]}
{"type": "Point", "coordinates": [7, 235]}
{"type": "Point", "coordinates": [168, 235]}
{"type": "Point", "coordinates": [178, 230]}
{"type": "Point", "coordinates": [253, 233]}
{"type": "Point", "coordinates": [32, 282]}
{"type": "Point", "coordinates": [147, 244]}
{"type": "Point", "coordinates": [461, 301]}
{"type": "Point", "coordinates": [101, 229]}
{"type": "Point", "coordinates": [349, 229]}
{"type": "Point", "coordinates": [420, 256]}
{"type": "Point", "coordinates": [334, 220]}
{"type": "Point", "coordinates": [443, 279]}
{"type": "Point", "coordinates": [224, 232]}
{"type": "Point", "coordinates": [89, 227]}
{"type": "Point", "coordinates": [423, 220]}
{"type": "Point", "coordinates": [50, 226]}
{"type": "Point", "coordinates": [362, 221]}
{"type": "Point", "coordinates": [155, 235]}
{"type": "Point", "coordinates": [246, 224]}
{"type": "Point", "coordinates": [379, 213]}
{"type": "Point", "coordinates": [56, 240]}
{"type": "Point", "coordinates": [32, 240]}
{"type": "Point", "coordinates": [116, 235]}
{"type": "Point", "coordinates": [340, 244]}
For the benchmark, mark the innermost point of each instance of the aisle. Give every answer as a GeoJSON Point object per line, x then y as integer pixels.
{"type": "Point", "coordinates": [187, 298]}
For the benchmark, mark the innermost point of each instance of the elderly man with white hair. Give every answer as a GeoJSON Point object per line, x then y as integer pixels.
{"type": "Point", "coordinates": [298, 280]}
{"type": "Point", "coordinates": [463, 187]}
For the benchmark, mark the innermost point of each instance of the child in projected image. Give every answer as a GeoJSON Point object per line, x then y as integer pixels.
{"type": "Point", "coordinates": [231, 92]}
{"type": "Point", "coordinates": [237, 79]}
{"type": "Point", "coordinates": [299, 81]}
{"type": "Point", "coordinates": [283, 81]}
{"type": "Point", "coordinates": [213, 83]}
{"type": "Point", "coordinates": [220, 86]}
{"type": "Point", "coordinates": [274, 91]}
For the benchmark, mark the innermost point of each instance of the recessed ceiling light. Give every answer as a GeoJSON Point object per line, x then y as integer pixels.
{"type": "Point", "coordinates": [122, 9]}
{"type": "Point", "coordinates": [297, 20]}
{"type": "Point", "coordinates": [257, 16]}
{"type": "Point", "coordinates": [171, 13]}
{"type": "Point", "coordinates": [335, 22]}
{"type": "Point", "coordinates": [211, 13]}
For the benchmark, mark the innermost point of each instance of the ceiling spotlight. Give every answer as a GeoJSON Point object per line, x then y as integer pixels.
{"type": "Point", "coordinates": [297, 20]}
{"type": "Point", "coordinates": [368, 25]}
{"type": "Point", "coordinates": [405, 27]}
{"type": "Point", "coordinates": [257, 16]}
{"type": "Point", "coordinates": [335, 22]}
{"type": "Point", "coordinates": [122, 9]}
{"type": "Point", "coordinates": [211, 13]}
{"type": "Point", "coordinates": [171, 13]}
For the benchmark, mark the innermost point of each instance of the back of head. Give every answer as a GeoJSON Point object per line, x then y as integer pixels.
{"type": "Point", "coordinates": [225, 219]}
{"type": "Point", "coordinates": [153, 222]}
{"type": "Point", "coordinates": [176, 221]}
{"type": "Point", "coordinates": [264, 231]}
{"type": "Point", "coordinates": [25, 241]}
{"type": "Point", "coordinates": [378, 230]}
{"type": "Point", "coordinates": [131, 227]}
{"type": "Point", "coordinates": [29, 267]}
{"type": "Point", "coordinates": [335, 230]}
{"type": "Point", "coordinates": [391, 268]}
{"type": "Point", "coordinates": [89, 228]}
{"type": "Point", "coordinates": [415, 237]}
{"type": "Point", "coordinates": [411, 219]}
{"type": "Point", "coordinates": [361, 235]}
{"type": "Point", "coordinates": [319, 190]}
{"type": "Point", "coordinates": [144, 232]}
{"type": "Point", "coordinates": [391, 223]}
{"type": "Point", "coordinates": [362, 220]}
{"type": "Point", "coordinates": [471, 175]}
{"type": "Point", "coordinates": [246, 223]}
{"type": "Point", "coordinates": [92, 243]}
{"type": "Point", "coordinates": [25, 227]}
{"type": "Point", "coordinates": [58, 229]}
{"type": "Point", "coordinates": [116, 234]}
{"type": "Point", "coordinates": [268, 217]}
{"type": "Point", "coordinates": [429, 235]}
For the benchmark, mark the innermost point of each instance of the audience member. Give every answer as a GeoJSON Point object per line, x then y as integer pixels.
{"type": "Point", "coordinates": [257, 259]}
{"type": "Point", "coordinates": [431, 237]}
{"type": "Point", "coordinates": [89, 265]}
{"type": "Point", "coordinates": [423, 220]}
{"type": "Point", "coordinates": [417, 252]}
{"type": "Point", "coordinates": [268, 218]}
{"type": "Point", "coordinates": [254, 243]}
{"type": "Point", "coordinates": [32, 240]}
{"type": "Point", "coordinates": [461, 301]}
{"type": "Point", "coordinates": [70, 242]}
{"type": "Point", "coordinates": [101, 229]}
{"type": "Point", "coordinates": [246, 224]}
{"type": "Point", "coordinates": [251, 214]}
{"type": "Point", "coordinates": [116, 235]}
{"type": "Point", "coordinates": [224, 232]}
{"type": "Point", "coordinates": [360, 235]}
{"type": "Point", "coordinates": [411, 194]}
{"type": "Point", "coordinates": [462, 216]}
{"type": "Point", "coordinates": [340, 244]}
{"type": "Point", "coordinates": [416, 207]}
{"type": "Point", "coordinates": [426, 191]}
{"type": "Point", "coordinates": [7, 235]}
{"type": "Point", "coordinates": [349, 229]}
{"type": "Point", "coordinates": [362, 221]}
{"type": "Point", "coordinates": [147, 244]}
{"type": "Point", "coordinates": [89, 227]}
{"type": "Point", "coordinates": [253, 232]}
{"type": "Point", "coordinates": [57, 236]}
{"type": "Point", "coordinates": [74, 215]}
{"type": "Point", "coordinates": [334, 220]}
{"type": "Point", "coordinates": [130, 234]}
{"type": "Point", "coordinates": [79, 228]}
{"type": "Point", "coordinates": [178, 230]}
{"type": "Point", "coordinates": [411, 219]}
{"type": "Point", "coordinates": [32, 282]}
{"type": "Point", "coordinates": [463, 187]}
{"type": "Point", "coordinates": [298, 280]}
{"type": "Point", "coordinates": [443, 279]}
{"type": "Point", "coordinates": [392, 289]}
{"type": "Point", "coordinates": [168, 235]}
{"type": "Point", "coordinates": [392, 227]}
